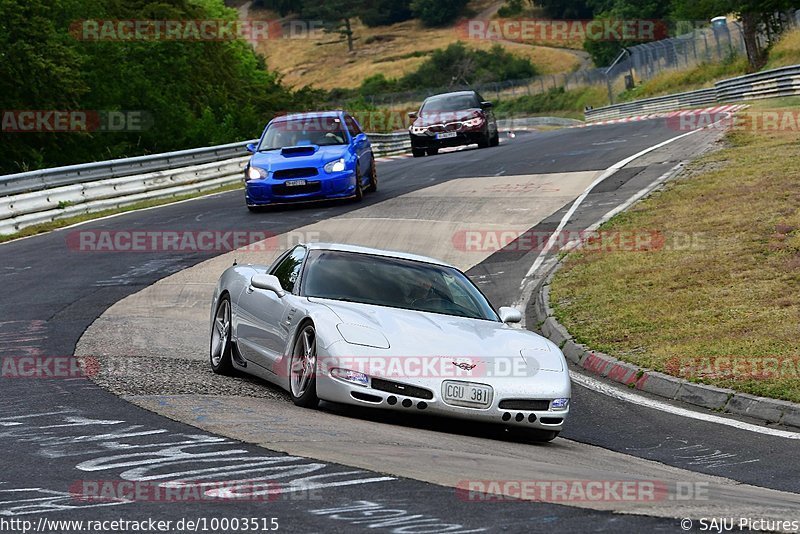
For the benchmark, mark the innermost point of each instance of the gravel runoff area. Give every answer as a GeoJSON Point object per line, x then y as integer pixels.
{"type": "Point", "coordinates": [134, 376]}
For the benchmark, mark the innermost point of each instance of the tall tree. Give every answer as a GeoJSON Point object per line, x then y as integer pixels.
{"type": "Point", "coordinates": [337, 16]}
{"type": "Point", "coordinates": [754, 15]}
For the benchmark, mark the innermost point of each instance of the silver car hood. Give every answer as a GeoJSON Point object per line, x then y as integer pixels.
{"type": "Point", "coordinates": [416, 333]}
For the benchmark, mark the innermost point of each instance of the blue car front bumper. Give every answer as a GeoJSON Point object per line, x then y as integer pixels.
{"type": "Point", "coordinates": [324, 186]}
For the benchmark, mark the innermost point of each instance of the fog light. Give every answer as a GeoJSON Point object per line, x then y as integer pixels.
{"type": "Point", "coordinates": [559, 404]}
{"type": "Point", "coordinates": [353, 377]}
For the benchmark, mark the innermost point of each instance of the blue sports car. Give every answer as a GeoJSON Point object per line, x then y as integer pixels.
{"type": "Point", "coordinates": [307, 157]}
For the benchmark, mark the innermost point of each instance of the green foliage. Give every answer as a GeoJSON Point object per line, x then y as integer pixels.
{"type": "Point", "coordinates": [512, 8]}
{"type": "Point", "coordinates": [379, 84]}
{"type": "Point", "coordinates": [677, 81]}
{"type": "Point", "coordinates": [385, 12]}
{"type": "Point", "coordinates": [197, 92]}
{"type": "Point", "coordinates": [455, 65]}
{"type": "Point", "coordinates": [566, 9]}
{"type": "Point", "coordinates": [437, 12]}
{"type": "Point", "coordinates": [283, 7]}
{"type": "Point", "coordinates": [604, 52]}
{"type": "Point", "coordinates": [572, 102]}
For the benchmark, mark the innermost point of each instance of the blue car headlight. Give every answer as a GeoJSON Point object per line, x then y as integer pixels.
{"type": "Point", "coordinates": [254, 173]}
{"type": "Point", "coordinates": [559, 405]}
{"type": "Point", "coordinates": [335, 166]}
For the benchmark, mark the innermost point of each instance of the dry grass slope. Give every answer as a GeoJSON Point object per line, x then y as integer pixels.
{"type": "Point", "coordinates": [392, 50]}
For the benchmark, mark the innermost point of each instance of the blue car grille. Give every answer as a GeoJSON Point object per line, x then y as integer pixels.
{"type": "Point", "coordinates": [284, 190]}
{"type": "Point", "coordinates": [289, 174]}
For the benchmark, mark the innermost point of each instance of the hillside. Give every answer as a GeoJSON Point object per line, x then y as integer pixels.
{"type": "Point", "coordinates": [392, 50]}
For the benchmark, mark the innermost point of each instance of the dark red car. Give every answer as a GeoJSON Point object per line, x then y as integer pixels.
{"type": "Point", "coordinates": [453, 119]}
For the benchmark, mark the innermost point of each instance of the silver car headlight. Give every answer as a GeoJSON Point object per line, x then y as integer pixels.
{"type": "Point", "coordinates": [356, 334]}
{"type": "Point", "coordinates": [418, 130]}
{"type": "Point", "coordinates": [471, 123]}
{"type": "Point", "coordinates": [335, 166]}
{"type": "Point", "coordinates": [354, 377]}
{"type": "Point", "coordinates": [559, 405]}
{"type": "Point", "coordinates": [255, 173]}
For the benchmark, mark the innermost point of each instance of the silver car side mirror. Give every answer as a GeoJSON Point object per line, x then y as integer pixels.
{"type": "Point", "coordinates": [267, 282]}
{"type": "Point", "coordinates": [509, 315]}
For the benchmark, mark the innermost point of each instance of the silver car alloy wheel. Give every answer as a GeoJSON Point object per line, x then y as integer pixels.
{"type": "Point", "coordinates": [304, 361]}
{"type": "Point", "coordinates": [220, 336]}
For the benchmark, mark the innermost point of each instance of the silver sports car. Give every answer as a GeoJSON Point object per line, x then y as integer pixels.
{"type": "Point", "coordinates": [390, 330]}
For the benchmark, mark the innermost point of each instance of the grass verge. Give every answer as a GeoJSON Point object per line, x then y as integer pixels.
{"type": "Point", "coordinates": [556, 102]}
{"type": "Point", "coordinates": [719, 303]}
{"type": "Point", "coordinates": [678, 81]}
{"type": "Point", "coordinates": [68, 221]}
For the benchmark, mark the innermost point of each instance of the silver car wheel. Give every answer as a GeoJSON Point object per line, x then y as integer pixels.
{"type": "Point", "coordinates": [304, 361]}
{"type": "Point", "coordinates": [220, 336]}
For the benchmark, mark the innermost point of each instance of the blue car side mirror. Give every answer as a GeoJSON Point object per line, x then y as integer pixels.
{"type": "Point", "coordinates": [251, 147]}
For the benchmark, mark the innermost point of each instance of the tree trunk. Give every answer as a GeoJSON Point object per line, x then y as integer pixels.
{"type": "Point", "coordinates": [349, 33]}
{"type": "Point", "coordinates": [749, 30]}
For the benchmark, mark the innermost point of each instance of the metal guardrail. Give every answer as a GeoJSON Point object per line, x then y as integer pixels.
{"type": "Point", "coordinates": [532, 123]}
{"type": "Point", "coordinates": [653, 105]}
{"type": "Point", "coordinates": [45, 195]}
{"type": "Point", "coordinates": [42, 196]}
{"type": "Point", "coordinates": [390, 144]}
{"type": "Point", "coordinates": [784, 81]}
{"type": "Point", "coordinates": [102, 170]}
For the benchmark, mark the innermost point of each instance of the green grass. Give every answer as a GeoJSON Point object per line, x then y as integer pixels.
{"type": "Point", "coordinates": [677, 81]}
{"type": "Point", "coordinates": [785, 52]}
{"type": "Point", "coordinates": [75, 219]}
{"type": "Point", "coordinates": [558, 102]}
{"type": "Point", "coordinates": [730, 289]}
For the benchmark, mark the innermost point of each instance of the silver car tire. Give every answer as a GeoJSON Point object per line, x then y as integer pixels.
{"type": "Point", "coordinates": [221, 346]}
{"type": "Point", "coordinates": [303, 368]}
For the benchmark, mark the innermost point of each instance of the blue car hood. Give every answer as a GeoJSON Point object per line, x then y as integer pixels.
{"type": "Point", "coordinates": [299, 156]}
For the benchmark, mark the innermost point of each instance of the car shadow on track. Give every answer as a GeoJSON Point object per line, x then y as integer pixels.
{"type": "Point", "coordinates": [434, 423]}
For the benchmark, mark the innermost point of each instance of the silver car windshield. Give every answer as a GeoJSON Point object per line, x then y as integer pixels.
{"type": "Point", "coordinates": [393, 282]}
{"type": "Point", "coordinates": [307, 130]}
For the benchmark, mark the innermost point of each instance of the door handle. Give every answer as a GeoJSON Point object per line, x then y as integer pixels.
{"type": "Point", "coordinates": [250, 289]}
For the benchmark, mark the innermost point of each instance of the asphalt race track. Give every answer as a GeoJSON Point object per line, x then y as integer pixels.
{"type": "Point", "coordinates": [345, 470]}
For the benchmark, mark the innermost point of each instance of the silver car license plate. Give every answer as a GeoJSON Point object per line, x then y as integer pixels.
{"type": "Point", "coordinates": [294, 183]}
{"type": "Point", "coordinates": [466, 394]}
{"type": "Point", "coordinates": [446, 135]}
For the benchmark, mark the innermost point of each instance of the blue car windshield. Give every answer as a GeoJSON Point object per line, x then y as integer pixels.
{"type": "Point", "coordinates": [393, 282]}
{"type": "Point", "coordinates": [307, 130]}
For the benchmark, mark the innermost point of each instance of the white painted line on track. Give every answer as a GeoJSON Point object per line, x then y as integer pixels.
{"type": "Point", "coordinates": [637, 196]}
{"type": "Point", "coordinates": [578, 201]}
{"type": "Point", "coordinates": [620, 394]}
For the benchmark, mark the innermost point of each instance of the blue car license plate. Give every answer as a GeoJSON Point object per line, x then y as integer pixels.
{"type": "Point", "coordinates": [294, 183]}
